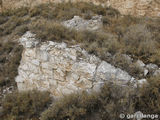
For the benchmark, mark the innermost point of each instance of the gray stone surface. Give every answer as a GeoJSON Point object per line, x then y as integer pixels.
{"type": "Point", "coordinates": [106, 71]}
{"type": "Point", "coordinates": [60, 69]}
{"type": "Point", "coordinates": [157, 72]}
{"type": "Point", "coordinates": [152, 67]}
{"type": "Point", "coordinates": [140, 64]}
{"type": "Point", "coordinates": [145, 71]}
{"type": "Point", "coordinates": [79, 23]}
{"type": "Point", "coordinates": [28, 40]}
{"type": "Point", "coordinates": [141, 82]}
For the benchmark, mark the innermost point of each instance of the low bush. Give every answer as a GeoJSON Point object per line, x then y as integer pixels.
{"type": "Point", "coordinates": [21, 30]}
{"type": "Point", "coordinates": [121, 61]}
{"type": "Point", "coordinates": [116, 100]}
{"type": "Point", "coordinates": [65, 11]}
{"type": "Point", "coordinates": [74, 106]}
{"type": "Point", "coordinates": [138, 41]}
{"type": "Point", "coordinates": [25, 105]}
{"type": "Point", "coordinates": [10, 56]}
{"type": "Point", "coordinates": [148, 101]}
{"type": "Point", "coordinates": [49, 31]}
{"type": "Point", "coordinates": [126, 34]}
{"type": "Point", "coordinates": [138, 37]}
{"type": "Point", "coordinates": [107, 104]}
{"type": "Point", "coordinates": [155, 57]}
{"type": "Point", "coordinates": [56, 32]}
{"type": "Point", "coordinates": [11, 24]}
{"type": "Point", "coordinates": [18, 12]}
{"type": "Point", "coordinates": [3, 19]}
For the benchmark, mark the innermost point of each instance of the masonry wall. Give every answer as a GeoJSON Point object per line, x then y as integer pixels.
{"type": "Point", "coordinates": [62, 69]}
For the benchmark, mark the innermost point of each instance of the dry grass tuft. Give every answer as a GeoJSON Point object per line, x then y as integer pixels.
{"type": "Point", "coordinates": [25, 105]}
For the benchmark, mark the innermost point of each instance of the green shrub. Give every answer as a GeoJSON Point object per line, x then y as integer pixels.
{"type": "Point", "coordinates": [155, 57]}
{"type": "Point", "coordinates": [21, 30]}
{"type": "Point", "coordinates": [10, 56]}
{"type": "Point", "coordinates": [20, 12]}
{"type": "Point", "coordinates": [138, 37]}
{"type": "Point", "coordinates": [67, 10]}
{"type": "Point", "coordinates": [72, 107]}
{"type": "Point", "coordinates": [149, 99]}
{"type": "Point", "coordinates": [106, 20]}
{"type": "Point", "coordinates": [48, 31]}
{"type": "Point", "coordinates": [3, 19]}
{"type": "Point", "coordinates": [122, 62]}
{"type": "Point", "coordinates": [109, 103]}
{"type": "Point", "coordinates": [11, 24]}
{"type": "Point", "coordinates": [111, 12]}
{"type": "Point", "coordinates": [103, 42]}
{"type": "Point", "coordinates": [106, 104]}
{"type": "Point", "coordinates": [138, 41]}
{"type": "Point", "coordinates": [25, 105]}
{"type": "Point", "coordinates": [115, 100]}
{"type": "Point", "coordinates": [136, 71]}
{"type": "Point", "coordinates": [39, 10]}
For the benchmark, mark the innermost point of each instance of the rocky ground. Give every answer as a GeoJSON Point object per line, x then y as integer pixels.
{"type": "Point", "coordinates": [63, 69]}
{"type": "Point", "coordinates": [65, 51]}
{"type": "Point", "coordinates": [134, 7]}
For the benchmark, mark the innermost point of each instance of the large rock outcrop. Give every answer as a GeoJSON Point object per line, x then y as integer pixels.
{"type": "Point", "coordinates": [63, 69]}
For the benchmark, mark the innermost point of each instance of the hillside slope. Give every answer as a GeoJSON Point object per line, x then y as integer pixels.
{"type": "Point", "coordinates": [132, 7]}
{"type": "Point", "coordinates": [126, 42]}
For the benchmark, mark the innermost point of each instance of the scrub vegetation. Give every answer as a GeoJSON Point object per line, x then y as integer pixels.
{"type": "Point", "coordinates": [122, 34]}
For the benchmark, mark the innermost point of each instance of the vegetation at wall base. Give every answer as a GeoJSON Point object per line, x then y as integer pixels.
{"type": "Point", "coordinates": [109, 103]}
{"type": "Point", "coordinates": [122, 34]}
{"type": "Point", "coordinates": [25, 105]}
